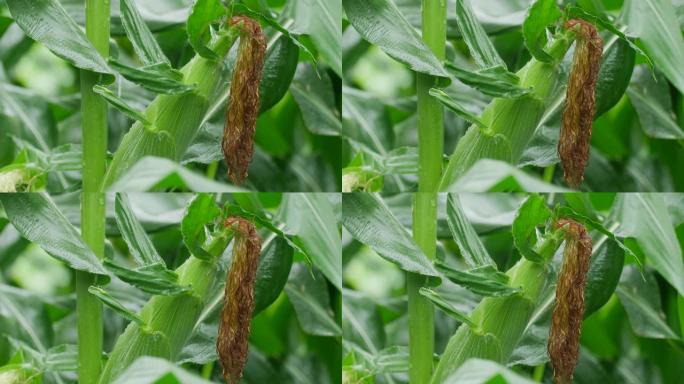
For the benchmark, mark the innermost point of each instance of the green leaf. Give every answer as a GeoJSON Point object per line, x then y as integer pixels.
{"type": "Point", "coordinates": [653, 104]}
{"type": "Point", "coordinates": [140, 35]}
{"type": "Point", "coordinates": [616, 71]}
{"type": "Point", "coordinates": [489, 175]}
{"type": "Point", "coordinates": [48, 23]}
{"type": "Point", "coordinates": [478, 371]}
{"type": "Point", "coordinates": [120, 104]}
{"type": "Point", "coordinates": [154, 279]}
{"type": "Point", "coordinates": [158, 78]}
{"type": "Point", "coordinates": [472, 249]}
{"type": "Point", "coordinates": [475, 37]}
{"type": "Point", "coordinates": [543, 13]}
{"type": "Point", "coordinates": [646, 218]}
{"type": "Point", "coordinates": [275, 263]}
{"type": "Point", "coordinates": [445, 306]}
{"type": "Point", "coordinates": [655, 23]}
{"type": "Point", "coordinates": [203, 14]}
{"type": "Point", "coordinates": [322, 21]}
{"type": "Point", "coordinates": [309, 295]}
{"type": "Point", "coordinates": [37, 218]}
{"type": "Point", "coordinates": [453, 106]}
{"type": "Point", "coordinates": [311, 218]}
{"type": "Point", "coordinates": [605, 268]}
{"type": "Point", "coordinates": [485, 280]}
{"type": "Point", "coordinates": [159, 174]}
{"type": "Point", "coordinates": [369, 221]}
{"type": "Point", "coordinates": [381, 24]}
{"type": "Point", "coordinates": [279, 70]}
{"type": "Point", "coordinates": [533, 213]}
{"type": "Point", "coordinates": [154, 370]}
{"type": "Point", "coordinates": [201, 211]}
{"type": "Point", "coordinates": [641, 299]}
{"type": "Point", "coordinates": [495, 81]}
{"type": "Point", "coordinates": [114, 304]}
{"type": "Point", "coordinates": [315, 96]}
{"type": "Point", "coordinates": [139, 244]}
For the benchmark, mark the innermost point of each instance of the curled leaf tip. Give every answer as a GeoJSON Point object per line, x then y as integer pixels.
{"type": "Point", "coordinates": [566, 320]}
{"type": "Point", "coordinates": [580, 101]}
{"type": "Point", "coordinates": [238, 302]}
{"type": "Point", "coordinates": [243, 103]}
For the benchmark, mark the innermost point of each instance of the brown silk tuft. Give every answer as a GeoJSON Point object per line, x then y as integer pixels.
{"type": "Point", "coordinates": [580, 102]}
{"type": "Point", "coordinates": [238, 302]}
{"type": "Point", "coordinates": [243, 104]}
{"type": "Point", "coordinates": [566, 321]}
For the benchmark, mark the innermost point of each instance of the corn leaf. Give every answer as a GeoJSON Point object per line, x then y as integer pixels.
{"type": "Point", "coordinates": [203, 14]}
{"type": "Point", "coordinates": [489, 175]}
{"type": "Point", "coordinates": [653, 105]}
{"type": "Point", "coordinates": [158, 78]}
{"type": "Point", "coordinates": [58, 32]}
{"type": "Point", "coordinates": [275, 263]}
{"type": "Point", "coordinates": [322, 21]}
{"type": "Point", "coordinates": [479, 371]}
{"type": "Point", "coordinates": [453, 106]}
{"type": "Point", "coordinates": [280, 66]}
{"type": "Point", "coordinates": [114, 304]}
{"type": "Point", "coordinates": [314, 95]}
{"type": "Point", "coordinates": [153, 370]}
{"type": "Point", "coordinates": [542, 14]}
{"type": "Point", "coordinates": [120, 104]}
{"type": "Point", "coordinates": [201, 211]}
{"type": "Point", "coordinates": [445, 306]}
{"type": "Point", "coordinates": [308, 292]}
{"type": "Point", "coordinates": [139, 244]}
{"type": "Point", "coordinates": [494, 81]}
{"type": "Point", "coordinates": [472, 249]}
{"type": "Point", "coordinates": [369, 221]}
{"type": "Point", "coordinates": [485, 280]}
{"type": "Point", "coordinates": [140, 35]}
{"type": "Point", "coordinates": [533, 213]}
{"type": "Point", "coordinates": [475, 37]}
{"type": "Point", "coordinates": [381, 24]}
{"type": "Point", "coordinates": [48, 228]}
{"type": "Point", "coordinates": [154, 278]}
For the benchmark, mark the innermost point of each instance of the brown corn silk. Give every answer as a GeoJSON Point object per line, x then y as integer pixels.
{"type": "Point", "coordinates": [238, 302]}
{"type": "Point", "coordinates": [578, 115]}
{"type": "Point", "coordinates": [566, 320]}
{"type": "Point", "coordinates": [243, 104]}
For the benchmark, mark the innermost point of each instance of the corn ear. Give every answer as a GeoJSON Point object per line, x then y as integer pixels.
{"type": "Point", "coordinates": [500, 322]}
{"type": "Point", "coordinates": [510, 122]}
{"type": "Point", "coordinates": [174, 119]}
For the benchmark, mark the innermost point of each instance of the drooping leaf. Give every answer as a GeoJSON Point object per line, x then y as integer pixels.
{"type": "Point", "coordinates": [58, 32]}
{"type": "Point", "coordinates": [485, 280]}
{"type": "Point", "coordinates": [383, 25]}
{"type": "Point", "coordinates": [464, 235]}
{"type": "Point", "coordinates": [653, 105]}
{"type": "Point", "coordinates": [314, 95]}
{"type": "Point", "coordinates": [494, 81]}
{"type": "Point", "coordinates": [158, 78]}
{"type": "Point", "coordinates": [37, 218]}
{"type": "Point", "coordinates": [201, 211]}
{"type": "Point", "coordinates": [369, 221]}
{"type": "Point", "coordinates": [279, 70]}
{"type": "Point", "coordinates": [120, 104]}
{"type": "Point", "coordinates": [114, 304]}
{"type": "Point", "coordinates": [542, 14]}
{"type": "Point", "coordinates": [453, 106]}
{"type": "Point", "coordinates": [445, 306]}
{"type": "Point", "coordinates": [532, 214]}
{"type": "Point", "coordinates": [322, 21]}
{"type": "Point", "coordinates": [308, 293]}
{"type": "Point", "coordinates": [154, 278]}
{"type": "Point", "coordinates": [204, 13]}
{"type": "Point", "coordinates": [603, 276]}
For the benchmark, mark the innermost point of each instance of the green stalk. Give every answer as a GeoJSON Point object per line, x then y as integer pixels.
{"type": "Point", "coordinates": [94, 131]}
{"type": "Point", "coordinates": [430, 148]}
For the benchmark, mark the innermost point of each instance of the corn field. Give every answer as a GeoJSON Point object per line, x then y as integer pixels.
{"type": "Point", "coordinates": [341, 191]}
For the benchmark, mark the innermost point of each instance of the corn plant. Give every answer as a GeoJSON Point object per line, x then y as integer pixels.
{"type": "Point", "coordinates": [238, 288]}
{"type": "Point", "coordinates": [563, 288]}
{"type": "Point", "coordinates": [137, 96]}
{"type": "Point", "coordinates": [538, 95]}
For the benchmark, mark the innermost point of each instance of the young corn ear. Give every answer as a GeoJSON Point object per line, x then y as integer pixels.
{"type": "Point", "coordinates": [566, 321]}
{"type": "Point", "coordinates": [580, 102]}
{"type": "Point", "coordinates": [243, 104]}
{"type": "Point", "coordinates": [238, 302]}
